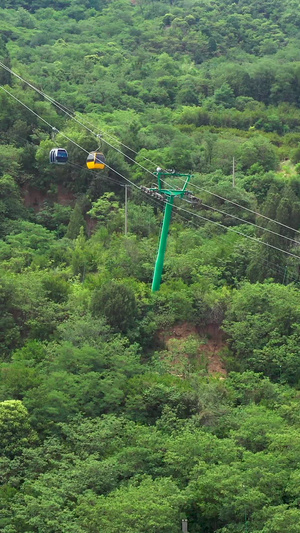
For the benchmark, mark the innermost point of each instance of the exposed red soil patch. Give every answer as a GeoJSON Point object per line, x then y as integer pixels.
{"type": "Point", "coordinates": [35, 198]}
{"type": "Point", "coordinates": [212, 343]}
{"type": "Point", "coordinates": [91, 224]}
{"type": "Point", "coordinates": [215, 344]}
{"type": "Point", "coordinates": [179, 331]}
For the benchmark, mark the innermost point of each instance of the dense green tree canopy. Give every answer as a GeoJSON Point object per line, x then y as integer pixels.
{"type": "Point", "coordinates": [122, 409]}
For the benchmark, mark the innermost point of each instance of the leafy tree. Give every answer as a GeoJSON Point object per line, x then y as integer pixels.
{"type": "Point", "coordinates": [117, 303]}
{"type": "Point", "coordinates": [282, 518]}
{"type": "Point", "coordinates": [5, 76]}
{"type": "Point", "coordinates": [10, 332]}
{"type": "Point", "coordinates": [191, 445]}
{"type": "Point", "coordinates": [257, 150]}
{"type": "Point", "coordinates": [56, 288]}
{"type": "Point", "coordinates": [224, 96]}
{"type": "Point", "coordinates": [262, 317]}
{"type": "Point", "coordinates": [149, 394]}
{"type": "Point", "coordinates": [138, 504]}
{"type": "Point", "coordinates": [11, 206]}
{"type": "Point", "coordinates": [16, 432]}
{"type": "Point", "coordinates": [255, 427]}
{"type": "Point", "coordinates": [76, 222]}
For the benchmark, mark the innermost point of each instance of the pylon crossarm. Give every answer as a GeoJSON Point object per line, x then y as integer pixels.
{"type": "Point", "coordinates": [161, 174]}
{"type": "Point", "coordinates": [158, 193]}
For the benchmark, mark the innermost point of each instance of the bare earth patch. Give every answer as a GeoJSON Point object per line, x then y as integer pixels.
{"type": "Point", "coordinates": [36, 198]}
{"type": "Point", "coordinates": [212, 343]}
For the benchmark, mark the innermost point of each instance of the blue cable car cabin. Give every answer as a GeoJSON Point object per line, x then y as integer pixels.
{"type": "Point", "coordinates": [59, 156]}
{"type": "Point", "coordinates": [95, 161]}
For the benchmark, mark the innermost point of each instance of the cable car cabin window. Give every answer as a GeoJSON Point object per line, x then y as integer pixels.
{"type": "Point", "coordinates": [62, 156]}
{"type": "Point", "coordinates": [58, 156]}
{"type": "Point", "coordinates": [99, 158]}
{"type": "Point", "coordinates": [95, 161]}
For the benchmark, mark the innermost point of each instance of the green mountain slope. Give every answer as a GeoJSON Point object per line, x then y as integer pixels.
{"type": "Point", "coordinates": [123, 410]}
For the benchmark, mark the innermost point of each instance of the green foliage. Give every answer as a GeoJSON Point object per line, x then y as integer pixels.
{"type": "Point", "coordinates": [174, 302]}
{"type": "Point", "coordinates": [262, 325]}
{"type": "Point", "coordinates": [76, 222]}
{"type": "Point", "coordinates": [224, 96]}
{"type": "Point", "coordinates": [103, 207]}
{"type": "Point", "coordinates": [55, 217]}
{"type": "Point", "coordinates": [257, 150]}
{"type": "Point", "coordinates": [117, 303]}
{"type": "Point", "coordinates": [11, 206]}
{"type": "Point", "coordinates": [16, 432]}
{"type": "Point", "coordinates": [56, 288]}
{"type": "Point", "coordinates": [10, 332]}
{"type": "Point", "coordinates": [139, 504]}
{"type": "Point", "coordinates": [139, 424]}
{"type": "Point", "coordinates": [149, 394]}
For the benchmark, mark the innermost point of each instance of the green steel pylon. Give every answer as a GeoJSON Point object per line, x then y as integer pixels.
{"type": "Point", "coordinates": [171, 194]}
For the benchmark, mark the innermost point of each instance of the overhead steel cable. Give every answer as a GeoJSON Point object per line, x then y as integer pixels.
{"type": "Point", "coordinates": [139, 188]}
{"type": "Point", "coordinates": [239, 232]}
{"type": "Point", "coordinates": [242, 220]}
{"type": "Point", "coordinates": [41, 118]}
{"type": "Point", "coordinates": [69, 113]}
{"type": "Point", "coordinates": [246, 208]}
{"type": "Point", "coordinates": [153, 201]}
{"type": "Point", "coordinates": [72, 117]}
{"type": "Point", "coordinates": [279, 269]}
{"type": "Point", "coordinates": [250, 223]}
{"type": "Point", "coordinates": [276, 267]}
{"type": "Point", "coordinates": [64, 135]}
{"type": "Point", "coordinates": [104, 177]}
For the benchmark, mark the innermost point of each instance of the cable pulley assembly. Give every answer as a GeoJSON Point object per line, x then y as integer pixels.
{"type": "Point", "coordinates": [152, 192]}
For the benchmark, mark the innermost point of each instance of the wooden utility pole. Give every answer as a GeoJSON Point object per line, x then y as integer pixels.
{"type": "Point", "coordinates": [233, 172]}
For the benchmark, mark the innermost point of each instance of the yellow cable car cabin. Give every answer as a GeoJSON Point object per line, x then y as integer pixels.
{"type": "Point", "coordinates": [95, 161]}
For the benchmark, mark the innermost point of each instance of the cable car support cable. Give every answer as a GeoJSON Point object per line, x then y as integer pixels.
{"type": "Point", "coordinates": [141, 189]}
{"type": "Point", "coordinates": [68, 112]}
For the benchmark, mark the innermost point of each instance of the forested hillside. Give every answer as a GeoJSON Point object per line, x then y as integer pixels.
{"type": "Point", "coordinates": [124, 410]}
